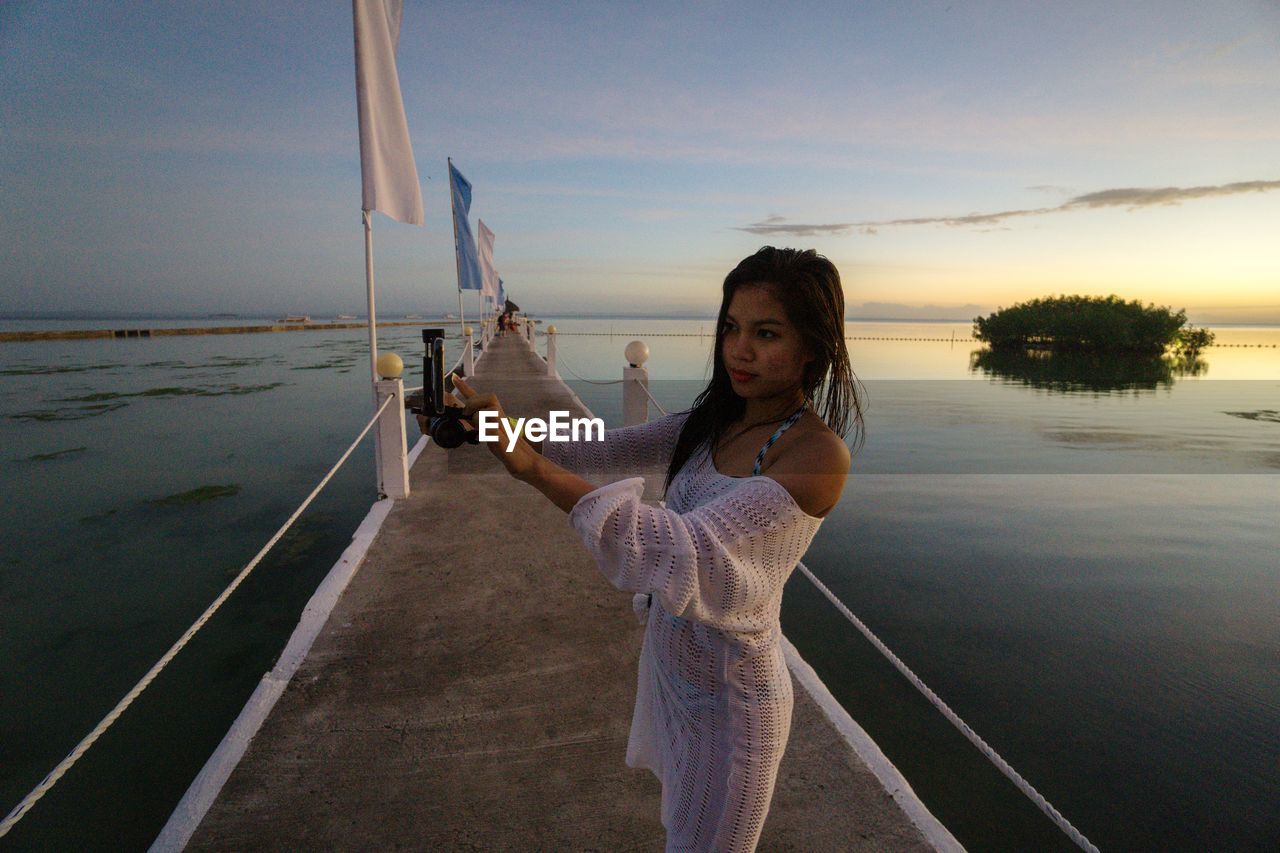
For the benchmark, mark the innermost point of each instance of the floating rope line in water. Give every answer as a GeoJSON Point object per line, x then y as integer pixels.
{"type": "Point", "coordinates": [708, 334]}
{"type": "Point", "coordinates": [58, 772]}
{"type": "Point", "coordinates": [1003, 766]}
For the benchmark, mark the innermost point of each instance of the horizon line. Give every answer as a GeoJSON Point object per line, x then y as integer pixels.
{"type": "Point", "coordinates": [389, 315]}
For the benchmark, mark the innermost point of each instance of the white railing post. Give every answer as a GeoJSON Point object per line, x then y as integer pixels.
{"type": "Point", "coordinates": [469, 353]}
{"type": "Point", "coordinates": [551, 351]}
{"type": "Point", "coordinates": [393, 455]}
{"type": "Point", "coordinates": [635, 402]}
{"type": "Point", "coordinates": [529, 329]}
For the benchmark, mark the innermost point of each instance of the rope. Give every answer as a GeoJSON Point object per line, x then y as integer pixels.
{"type": "Point", "coordinates": [560, 361]}
{"type": "Point", "coordinates": [1022, 784]}
{"type": "Point", "coordinates": [651, 397]}
{"type": "Point", "coordinates": [57, 773]}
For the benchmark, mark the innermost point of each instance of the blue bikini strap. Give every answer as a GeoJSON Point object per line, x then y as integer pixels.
{"type": "Point", "coordinates": [755, 472]}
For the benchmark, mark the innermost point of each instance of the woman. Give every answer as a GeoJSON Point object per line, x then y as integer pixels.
{"type": "Point", "coordinates": [752, 468]}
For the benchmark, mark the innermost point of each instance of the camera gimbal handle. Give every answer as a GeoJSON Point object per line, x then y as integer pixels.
{"type": "Point", "coordinates": [433, 372]}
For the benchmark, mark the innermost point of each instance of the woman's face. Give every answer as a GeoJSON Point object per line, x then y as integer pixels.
{"type": "Point", "coordinates": [762, 351]}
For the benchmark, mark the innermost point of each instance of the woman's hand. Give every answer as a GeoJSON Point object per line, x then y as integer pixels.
{"type": "Point", "coordinates": [449, 400]}
{"type": "Point", "coordinates": [521, 460]}
{"type": "Point", "coordinates": [524, 462]}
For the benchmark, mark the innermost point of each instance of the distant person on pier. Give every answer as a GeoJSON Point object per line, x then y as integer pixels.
{"type": "Point", "coordinates": [752, 469]}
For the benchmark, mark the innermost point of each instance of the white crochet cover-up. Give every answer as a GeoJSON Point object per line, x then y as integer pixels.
{"type": "Point", "coordinates": [713, 699]}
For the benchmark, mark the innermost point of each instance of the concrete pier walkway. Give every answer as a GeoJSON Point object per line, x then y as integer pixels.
{"type": "Point", "coordinates": [473, 689]}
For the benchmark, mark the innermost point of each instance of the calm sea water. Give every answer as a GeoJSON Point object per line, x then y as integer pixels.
{"type": "Point", "coordinates": [1080, 558]}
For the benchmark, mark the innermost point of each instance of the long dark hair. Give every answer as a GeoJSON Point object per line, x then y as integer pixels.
{"type": "Point", "coordinates": [808, 286]}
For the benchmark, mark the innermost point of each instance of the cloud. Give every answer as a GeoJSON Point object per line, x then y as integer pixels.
{"type": "Point", "coordinates": [774, 225]}
{"type": "Point", "coordinates": [1134, 197]}
{"type": "Point", "coordinates": [1050, 188]}
{"type": "Point", "coordinates": [1130, 197]}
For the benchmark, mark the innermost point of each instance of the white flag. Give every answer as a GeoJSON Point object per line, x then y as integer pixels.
{"type": "Point", "coordinates": [488, 275]}
{"type": "Point", "coordinates": [387, 171]}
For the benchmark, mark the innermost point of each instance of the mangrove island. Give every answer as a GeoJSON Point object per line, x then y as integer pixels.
{"type": "Point", "coordinates": [1089, 323]}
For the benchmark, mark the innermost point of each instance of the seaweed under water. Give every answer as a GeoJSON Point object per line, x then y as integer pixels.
{"type": "Point", "coordinates": [68, 414]}
{"type": "Point", "coordinates": [99, 516]}
{"type": "Point", "coordinates": [327, 365]}
{"type": "Point", "coordinates": [57, 454]}
{"type": "Point", "coordinates": [174, 391]}
{"type": "Point", "coordinates": [198, 495]}
{"type": "Point", "coordinates": [1271, 415]}
{"type": "Point", "coordinates": [43, 370]}
{"type": "Point", "coordinates": [216, 362]}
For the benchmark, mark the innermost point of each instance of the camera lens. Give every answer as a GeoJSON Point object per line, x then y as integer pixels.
{"type": "Point", "coordinates": [448, 432]}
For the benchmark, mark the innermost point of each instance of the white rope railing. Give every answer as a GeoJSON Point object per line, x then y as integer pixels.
{"type": "Point", "coordinates": [651, 397]}
{"type": "Point", "coordinates": [58, 772]}
{"type": "Point", "coordinates": [1003, 766]}
{"type": "Point", "coordinates": [561, 363]}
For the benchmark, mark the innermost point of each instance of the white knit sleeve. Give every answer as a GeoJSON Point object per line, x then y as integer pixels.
{"type": "Point", "coordinates": [723, 563]}
{"type": "Point", "coordinates": [624, 451]}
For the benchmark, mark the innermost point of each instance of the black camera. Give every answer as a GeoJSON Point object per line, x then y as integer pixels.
{"type": "Point", "coordinates": [447, 430]}
{"type": "Point", "coordinates": [444, 423]}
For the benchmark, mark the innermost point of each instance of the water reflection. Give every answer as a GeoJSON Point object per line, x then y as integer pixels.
{"type": "Point", "coordinates": [1068, 372]}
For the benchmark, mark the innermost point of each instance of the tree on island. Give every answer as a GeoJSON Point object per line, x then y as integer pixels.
{"type": "Point", "coordinates": [1091, 323]}
{"type": "Point", "coordinates": [1191, 340]}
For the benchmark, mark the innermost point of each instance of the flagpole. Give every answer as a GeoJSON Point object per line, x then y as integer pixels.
{"type": "Point", "coordinates": [368, 277]}
{"type": "Point", "coordinates": [457, 263]}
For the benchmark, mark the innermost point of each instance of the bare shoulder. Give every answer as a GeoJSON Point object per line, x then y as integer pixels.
{"type": "Point", "coordinates": [812, 467]}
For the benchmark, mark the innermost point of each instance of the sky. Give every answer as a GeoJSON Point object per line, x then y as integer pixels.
{"type": "Point", "coordinates": [951, 158]}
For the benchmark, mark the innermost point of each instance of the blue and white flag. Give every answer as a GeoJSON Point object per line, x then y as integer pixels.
{"type": "Point", "coordinates": [488, 275]}
{"type": "Point", "coordinates": [469, 277]}
{"type": "Point", "coordinates": [388, 176]}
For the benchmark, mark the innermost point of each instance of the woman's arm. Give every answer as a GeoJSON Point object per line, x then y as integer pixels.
{"type": "Point", "coordinates": [524, 461]}
{"type": "Point", "coordinates": [563, 488]}
{"type": "Point", "coordinates": [723, 563]}
{"type": "Point", "coordinates": [624, 452]}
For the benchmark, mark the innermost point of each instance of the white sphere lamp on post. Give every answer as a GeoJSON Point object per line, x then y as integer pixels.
{"type": "Point", "coordinates": [390, 365]}
{"type": "Point", "coordinates": [391, 437]}
{"type": "Point", "coordinates": [637, 353]}
{"type": "Point", "coordinates": [635, 382]}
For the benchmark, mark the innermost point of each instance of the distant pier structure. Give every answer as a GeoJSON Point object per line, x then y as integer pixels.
{"type": "Point", "coordinates": [78, 334]}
